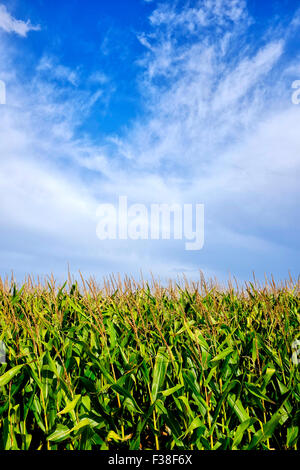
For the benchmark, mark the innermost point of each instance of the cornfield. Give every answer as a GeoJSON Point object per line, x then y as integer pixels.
{"type": "Point", "coordinates": [137, 365]}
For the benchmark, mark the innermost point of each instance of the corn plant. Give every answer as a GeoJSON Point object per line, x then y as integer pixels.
{"type": "Point", "coordinates": [136, 365]}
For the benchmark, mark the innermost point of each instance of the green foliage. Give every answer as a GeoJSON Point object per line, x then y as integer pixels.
{"type": "Point", "coordinates": [134, 367]}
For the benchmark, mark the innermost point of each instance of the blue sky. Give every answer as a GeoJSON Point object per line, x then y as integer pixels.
{"type": "Point", "coordinates": [165, 102]}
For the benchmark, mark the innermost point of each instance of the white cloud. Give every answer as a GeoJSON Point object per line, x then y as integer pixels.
{"type": "Point", "coordinates": [11, 25]}
{"type": "Point", "coordinates": [99, 77]}
{"type": "Point", "coordinates": [217, 129]}
{"type": "Point", "coordinates": [201, 14]}
{"type": "Point", "coordinates": [57, 71]}
{"type": "Point", "coordinates": [245, 75]}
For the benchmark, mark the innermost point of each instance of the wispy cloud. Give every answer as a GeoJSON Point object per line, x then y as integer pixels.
{"type": "Point", "coordinates": [202, 90]}
{"type": "Point", "coordinates": [216, 128]}
{"type": "Point", "coordinates": [219, 126]}
{"type": "Point", "coordinates": [55, 70]}
{"type": "Point", "coordinates": [11, 25]}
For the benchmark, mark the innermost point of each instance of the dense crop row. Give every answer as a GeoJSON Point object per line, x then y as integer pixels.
{"type": "Point", "coordinates": [129, 366]}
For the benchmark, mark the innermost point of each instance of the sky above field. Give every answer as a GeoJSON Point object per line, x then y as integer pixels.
{"type": "Point", "coordinates": [164, 102]}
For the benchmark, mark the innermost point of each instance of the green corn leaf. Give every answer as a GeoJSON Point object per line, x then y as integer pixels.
{"type": "Point", "coordinates": [222, 355]}
{"type": "Point", "coordinates": [195, 424]}
{"type": "Point", "coordinates": [267, 431]}
{"type": "Point", "coordinates": [292, 436]}
{"type": "Point", "coordinates": [60, 434]}
{"type": "Point", "coordinates": [238, 436]}
{"type": "Point", "coordinates": [172, 390]}
{"type": "Point", "coordinates": [121, 390]}
{"type": "Point", "coordinates": [238, 408]}
{"type": "Point", "coordinates": [254, 390]}
{"type": "Point", "coordinates": [70, 406]}
{"type": "Point", "coordinates": [85, 422]}
{"type": "Point", "coordinates": [112, 435]}
{"type": "Point", "coordinates": [9, 375]}
{"type": "Point", "coordinates": [159, 372]}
